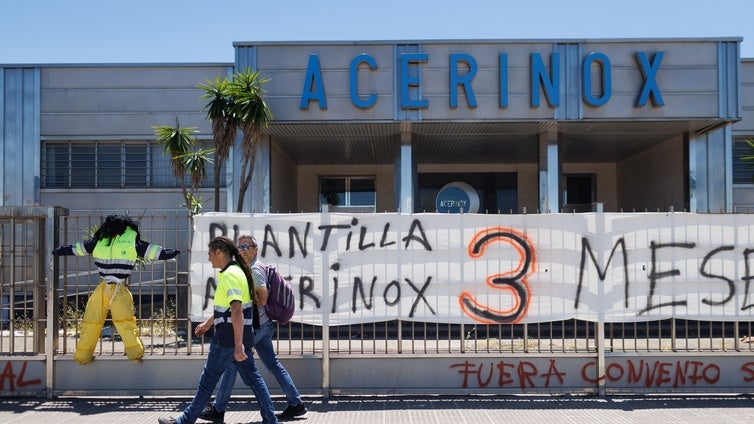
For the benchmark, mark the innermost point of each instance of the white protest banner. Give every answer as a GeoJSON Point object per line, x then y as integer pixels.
{"type": "Point", "coordinates": [475, 268]}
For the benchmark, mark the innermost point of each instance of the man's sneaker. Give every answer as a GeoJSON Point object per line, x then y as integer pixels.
{"type": "Point", "coordinates": [211, 414]}
{"type": "Point", "coordinates": [166, 420]}
{"type": "Point", "coordinates": [292, 412]}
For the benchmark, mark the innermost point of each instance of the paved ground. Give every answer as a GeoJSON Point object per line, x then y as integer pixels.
{"type": "Point", "coordinates": [728, 409]}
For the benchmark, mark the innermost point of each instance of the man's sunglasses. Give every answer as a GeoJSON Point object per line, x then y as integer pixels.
{"type": "Point", "coordinates": [246, 246]}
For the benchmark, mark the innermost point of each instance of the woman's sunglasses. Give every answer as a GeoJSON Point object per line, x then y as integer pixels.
{"type": "Point", "coordinates": [246, 246]}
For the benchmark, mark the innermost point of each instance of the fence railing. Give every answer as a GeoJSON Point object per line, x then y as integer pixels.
{"type": "Point", "coordinates": [160, 291]}
{"type": "Point", "coordinates": [42, 300]}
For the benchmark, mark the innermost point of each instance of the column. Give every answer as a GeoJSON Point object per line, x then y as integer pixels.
{"type": "Point", "coordinates": [404, 174]}
{"type": "Point", "coordinates": [549, 172]}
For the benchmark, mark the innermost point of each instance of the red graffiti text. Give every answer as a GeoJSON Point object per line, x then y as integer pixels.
{"type": "Point", "coordinates": [656, 373]}
{"type": "Point", "coordinates": [523, 374]}
{"type": "Point", "coordinates": [15, 380]}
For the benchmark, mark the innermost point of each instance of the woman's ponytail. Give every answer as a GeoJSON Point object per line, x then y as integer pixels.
{"type": "Point", "coordinates": [237, 258]}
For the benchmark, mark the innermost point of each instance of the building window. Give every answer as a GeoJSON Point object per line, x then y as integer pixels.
{"type": "Point", "coordinates": [579, 193]}
{"type": "Point", "coordinates": [743, 170]}
{"type": "Point", "coordinates": [110, 164]}
{"type": "Point", "coordinates": [347, 191]}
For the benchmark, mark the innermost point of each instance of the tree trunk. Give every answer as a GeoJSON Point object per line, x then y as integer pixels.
{"type": "Point", "coordinates": [217, 187]}
{"type": "Point", "coordinates": [247, 169]}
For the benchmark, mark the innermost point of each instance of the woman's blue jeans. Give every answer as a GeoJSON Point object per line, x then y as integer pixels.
{"type": "Point", "coordinates": [266, 352]}
{"type": "Point", "coordinates": [219, 359]}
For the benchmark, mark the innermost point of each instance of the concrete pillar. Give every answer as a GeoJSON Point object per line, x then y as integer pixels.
{"type": "Point", "coordinates": [549, 172]}
{"type": "Point", "coordinates": [405, 171]}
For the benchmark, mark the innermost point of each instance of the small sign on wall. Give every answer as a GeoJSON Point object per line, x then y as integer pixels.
{"type": "Point", "coordinates": [457, 197]}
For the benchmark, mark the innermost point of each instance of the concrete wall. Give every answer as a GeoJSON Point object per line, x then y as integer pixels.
{"type": "Point", "coordinates": [119, 200]}
{"type": "Point", "coordinates": [653, 179]}
{"type": "Point", "coordinates": [283, 181]}
{"type": "Point", "coordinates": [122, 102]}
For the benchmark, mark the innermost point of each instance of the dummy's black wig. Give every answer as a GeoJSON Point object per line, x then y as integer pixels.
{"type": "Point", "coordinates": [116, 225]}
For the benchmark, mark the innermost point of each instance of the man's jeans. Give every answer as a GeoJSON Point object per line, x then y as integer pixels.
{"type": "Point", "coordinates": [218, 360]}
{"type": "Point", "coordinates": [266, 352]}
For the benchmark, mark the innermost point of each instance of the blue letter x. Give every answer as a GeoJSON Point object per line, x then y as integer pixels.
{"type": "Point", "coordinates": [649, 72]}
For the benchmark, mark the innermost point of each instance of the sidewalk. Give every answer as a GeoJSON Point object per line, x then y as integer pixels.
{"type": "Point", "coordinates": [539, 409]}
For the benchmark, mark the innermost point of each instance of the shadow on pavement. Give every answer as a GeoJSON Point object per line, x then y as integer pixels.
{"type": "Point", "coordinates": [101, 405]}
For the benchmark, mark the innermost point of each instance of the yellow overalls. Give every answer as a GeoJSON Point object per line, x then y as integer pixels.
{"type": "Point", "coordinates": [113, 295]}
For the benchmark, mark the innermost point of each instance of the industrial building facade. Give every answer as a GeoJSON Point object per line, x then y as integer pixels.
{"type": "Point", "coordinates": [536, 126]}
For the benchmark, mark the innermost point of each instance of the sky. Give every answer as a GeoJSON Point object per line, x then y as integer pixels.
{"type": "Point", "coordinates": [203, 31]}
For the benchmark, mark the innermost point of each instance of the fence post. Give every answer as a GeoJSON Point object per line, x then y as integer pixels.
{"type": "Point", "coordinates": [39, 285]}
{"type": "Point", "coordinates": [326, 317]}
{"type": "Point", "coordinates": [52, 279]}
{"type": "Point", "coordinates": [599, 337]}
{"type": "Point", "coordinates": [600, 340]}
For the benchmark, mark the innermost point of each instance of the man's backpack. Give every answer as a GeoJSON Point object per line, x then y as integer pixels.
{"type": "Point", "coordinates": [281, 300]}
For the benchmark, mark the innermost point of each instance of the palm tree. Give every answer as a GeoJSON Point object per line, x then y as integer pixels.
{"type": "Point", "coordinates": [223, 122]}
{"type": "Point", "coordinates": [185, 158]}
{"type": "Point", "coordinates": [252, 115]}
{"type": "Point", "coordinates": [236, 103]}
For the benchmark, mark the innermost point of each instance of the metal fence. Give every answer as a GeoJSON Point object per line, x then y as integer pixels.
{"type": "Point", "coordinates": [42, 317]}
{"type": "Point", "coordinates": [161, 291]}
